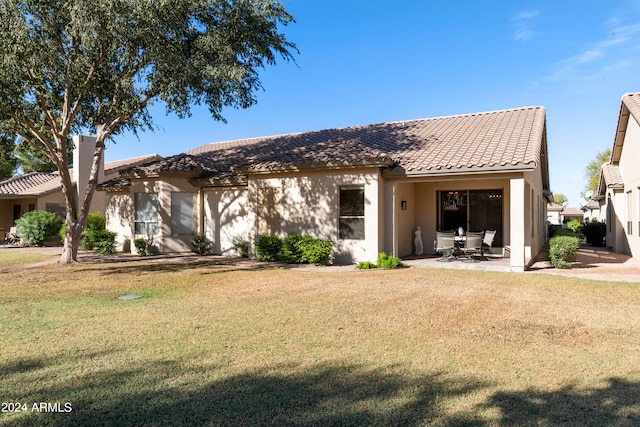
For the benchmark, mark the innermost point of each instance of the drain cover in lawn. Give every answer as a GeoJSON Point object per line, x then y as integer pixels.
{"type": "Point", "coordinates": [129, 297]}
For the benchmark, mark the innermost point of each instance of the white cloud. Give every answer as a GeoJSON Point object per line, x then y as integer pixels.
{"type": "Point", "coordinates": [523, 28]}
{"type": "Point", "coordinates": [591, 60]}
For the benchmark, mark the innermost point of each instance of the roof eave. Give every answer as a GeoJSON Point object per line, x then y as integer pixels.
{"type": "Point", "coordinates": [473, 170]}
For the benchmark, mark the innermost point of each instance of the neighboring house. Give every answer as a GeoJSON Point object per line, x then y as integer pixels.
{"type": "Point", "coordinates": [558, 214]}
{"type": "Point", "coordinates": [554, 213]}
{"type": "Point", "coordinates": [43, 191]}
{"type": "Point", "coordinates": [593, 211]}
{"type": "Point", "coordinates": [367, 188]}
{"type": "Point", "coordinates": [620, 181]}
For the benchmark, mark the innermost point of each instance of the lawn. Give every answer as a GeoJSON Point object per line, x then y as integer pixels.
{"type": "Point", "coordinates": [227, 345]}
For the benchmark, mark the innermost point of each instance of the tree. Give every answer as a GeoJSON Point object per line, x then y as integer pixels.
{"type": "Point", "coordinates": [96, 65]}
{"type": "Point", "coordinates": [8, 161]}
{"type": "Point", "coordinates": [560, 199]}
{"type": "Point", "coordinates": [592, 172]}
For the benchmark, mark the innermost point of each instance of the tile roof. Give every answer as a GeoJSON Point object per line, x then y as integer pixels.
{"type": "Point", "coordinates": [632, 102]}
{"type": "Point", "coordinates": [512, 139]}
{"type": "Point", "coordinates": [35, 183]}
{"type": "Point", "coordinates": [40, 183]}
{"type": "Point", "coordinates": [612, 176]}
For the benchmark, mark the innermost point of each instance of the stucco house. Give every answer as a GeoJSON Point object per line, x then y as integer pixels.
{"type": "Point", "coordinates": [367, 188]}
{"type": "Point", "coordinates": [43, 191]}
{"type": "Point", "coordinates": [619, 188]}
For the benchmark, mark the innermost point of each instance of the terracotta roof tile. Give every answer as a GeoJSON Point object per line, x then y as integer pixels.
{"type": "Point", "coordinates": [632, 101]}
{"type": "Point", "coordinates": [31, 184]}
{"type": "Point", "coordinates": [492, 140]}
{"type": "Point", "coordinates": [611, 175]}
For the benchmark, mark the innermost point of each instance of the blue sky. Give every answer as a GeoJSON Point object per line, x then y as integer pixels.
{"type": "Point", "coordinates": [373, 61]}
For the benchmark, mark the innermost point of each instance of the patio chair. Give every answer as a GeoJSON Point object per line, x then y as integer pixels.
{"type": "Point", "coordinates": [445, 245]}
{"type": "Point", "coordinates": [11, 238]}
{"type": "Point", "coordinates": [487, 241]}
{"type": "Point", "coordinates": [472, 244]}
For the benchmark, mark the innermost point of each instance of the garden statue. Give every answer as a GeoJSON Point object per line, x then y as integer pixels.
{"type": "Point", "coordinates": [417, 241]}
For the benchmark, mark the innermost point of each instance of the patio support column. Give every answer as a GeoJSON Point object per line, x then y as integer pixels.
{"type": "Point", "coordinates": [517, 223]}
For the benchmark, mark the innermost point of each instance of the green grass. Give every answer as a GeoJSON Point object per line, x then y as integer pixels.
{"type": "Point", "coordinates": [8, 258]}
{"type": "Point", "coordinates": [220, 345]}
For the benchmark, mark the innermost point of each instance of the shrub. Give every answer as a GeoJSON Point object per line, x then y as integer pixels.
{"type": "Point", "coordinates": [573, 225]}
{"type": "Point", "coordinates": [389, 261]}
{"type": "Point", "coordinates": [291, 251]}
{"type": "Point", "coordinates": [143, 246]}
{"type": "Point", "coordinates": [36, 227]}
{"type": "Point", "coordinates": [201, 245]}
{"type": "Point", "coordinates": [315, 251]}
{"type": "Point", "coordinates": [242, 246]}
{"type": "Point", "coordinates": [93, 231]}
{"type": "Point", "coordinates": [366, 265]}
{"type": "Point", "coordinates": [595, 232]}
{"type": "Point", "coordinates": [268, 247]}
{"type": "Point", "coordinates": [562, 251]}
{"type": "Point", "coordinates": [104, 242]}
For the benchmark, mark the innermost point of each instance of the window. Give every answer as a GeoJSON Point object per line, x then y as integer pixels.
{"type": "Point", "coordinates": [351, 222]}
{"type": "Point", "coordinates": [146, 215]}
{"type": "Point", "coordinates": [181, 213]}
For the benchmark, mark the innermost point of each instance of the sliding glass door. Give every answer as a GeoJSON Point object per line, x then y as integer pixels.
{"type": "Point", "coordinates": [473, 210]}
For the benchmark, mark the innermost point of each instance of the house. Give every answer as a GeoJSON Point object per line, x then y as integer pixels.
{"type": "Point", "coordinates": [592, 210]}
{"type": "Point", "coordinates": [43, 191]}
{"type": "Point", "coordinates": [619, 187]}
{"type": "Point", "coordinates": [367, 188]}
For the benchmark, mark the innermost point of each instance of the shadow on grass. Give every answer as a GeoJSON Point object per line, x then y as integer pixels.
{"type": "Point", "coordinates": [617, 404]}
{"type": "Point", "coordinates": [281, 395]}
{"type": "Point", "coordinates": [166, 393]}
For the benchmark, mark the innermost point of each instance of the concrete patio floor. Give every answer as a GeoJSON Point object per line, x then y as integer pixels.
{"type": "Point", "coordinates": [487, 263]}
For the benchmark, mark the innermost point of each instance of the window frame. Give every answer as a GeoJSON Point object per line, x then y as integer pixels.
{"type": "Point", "coordinates": [351, 219]}
{"type": "Point", "coordinates": [147, 222]}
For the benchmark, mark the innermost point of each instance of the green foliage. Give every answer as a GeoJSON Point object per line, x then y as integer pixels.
{"type": "Point", "coordinates": [95, 235]}
{"type": "Point", "coordinates": [36, 227]}
{"type": "Point", "coordinates": [366, 265]}
{"type": "Point", "coordinates": [144, 246]}
{"type": "Point", "coordinates": [389, 261]}
{"type": "Point", "coordinates": [562, 251]}
{"type": "Point", "coordinates": [294, 249]}
{"type": "Point", "coordinates": [93, 231]}
{"type": "Point", "coordinates": [592, 171]}
{"type": "Point", "coordinates": [71, 67]}
{"type": "Point", "coordinates": [8, 160]}
{"type": "Point", "coordinates": [268, 247]}
{"type": "Point", "coordinates": [104, 242]}
{"type": "Point", "coordinates": [560, 199]}
{"type": "Point", "coordinates": [242, 246]}
{"type": "Point", "coordinates": [558, 230]}
{"type": "Point", "coordinates": [595, 232]}
{"type": "Point", "coordinates": [574, 225]}
{"type": "Point", "coordinates": [201, 245]}
{"type": "Point", "coordinates": [315, 251]}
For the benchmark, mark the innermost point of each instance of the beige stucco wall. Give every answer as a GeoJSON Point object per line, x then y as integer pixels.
{"type": "Point", "coordinates": [628, 206]}
{"type": "Point", "coordinates": [228, 218]}
{"type": "Point", "coordinates": [308, 203]}
{"type": "Point", "coordinates": [120, 214]}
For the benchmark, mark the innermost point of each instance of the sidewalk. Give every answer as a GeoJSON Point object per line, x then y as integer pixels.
{"type": "Point", "coordinates": [596, 263]}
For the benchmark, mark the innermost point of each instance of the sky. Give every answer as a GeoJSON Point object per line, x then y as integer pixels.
{"type": "Point", "coordinates": [372, 61]}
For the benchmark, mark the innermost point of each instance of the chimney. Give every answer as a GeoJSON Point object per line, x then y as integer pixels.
{"type": "Point", "coordinates": [83, 151]}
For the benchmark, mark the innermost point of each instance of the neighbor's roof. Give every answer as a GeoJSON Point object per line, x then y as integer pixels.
{"type": "Point", "coordinates": [34, 183]}
{"type": "Point", "coordinates": [505, 140]}
{"type": "Point", "coordinates": [37, 184]}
